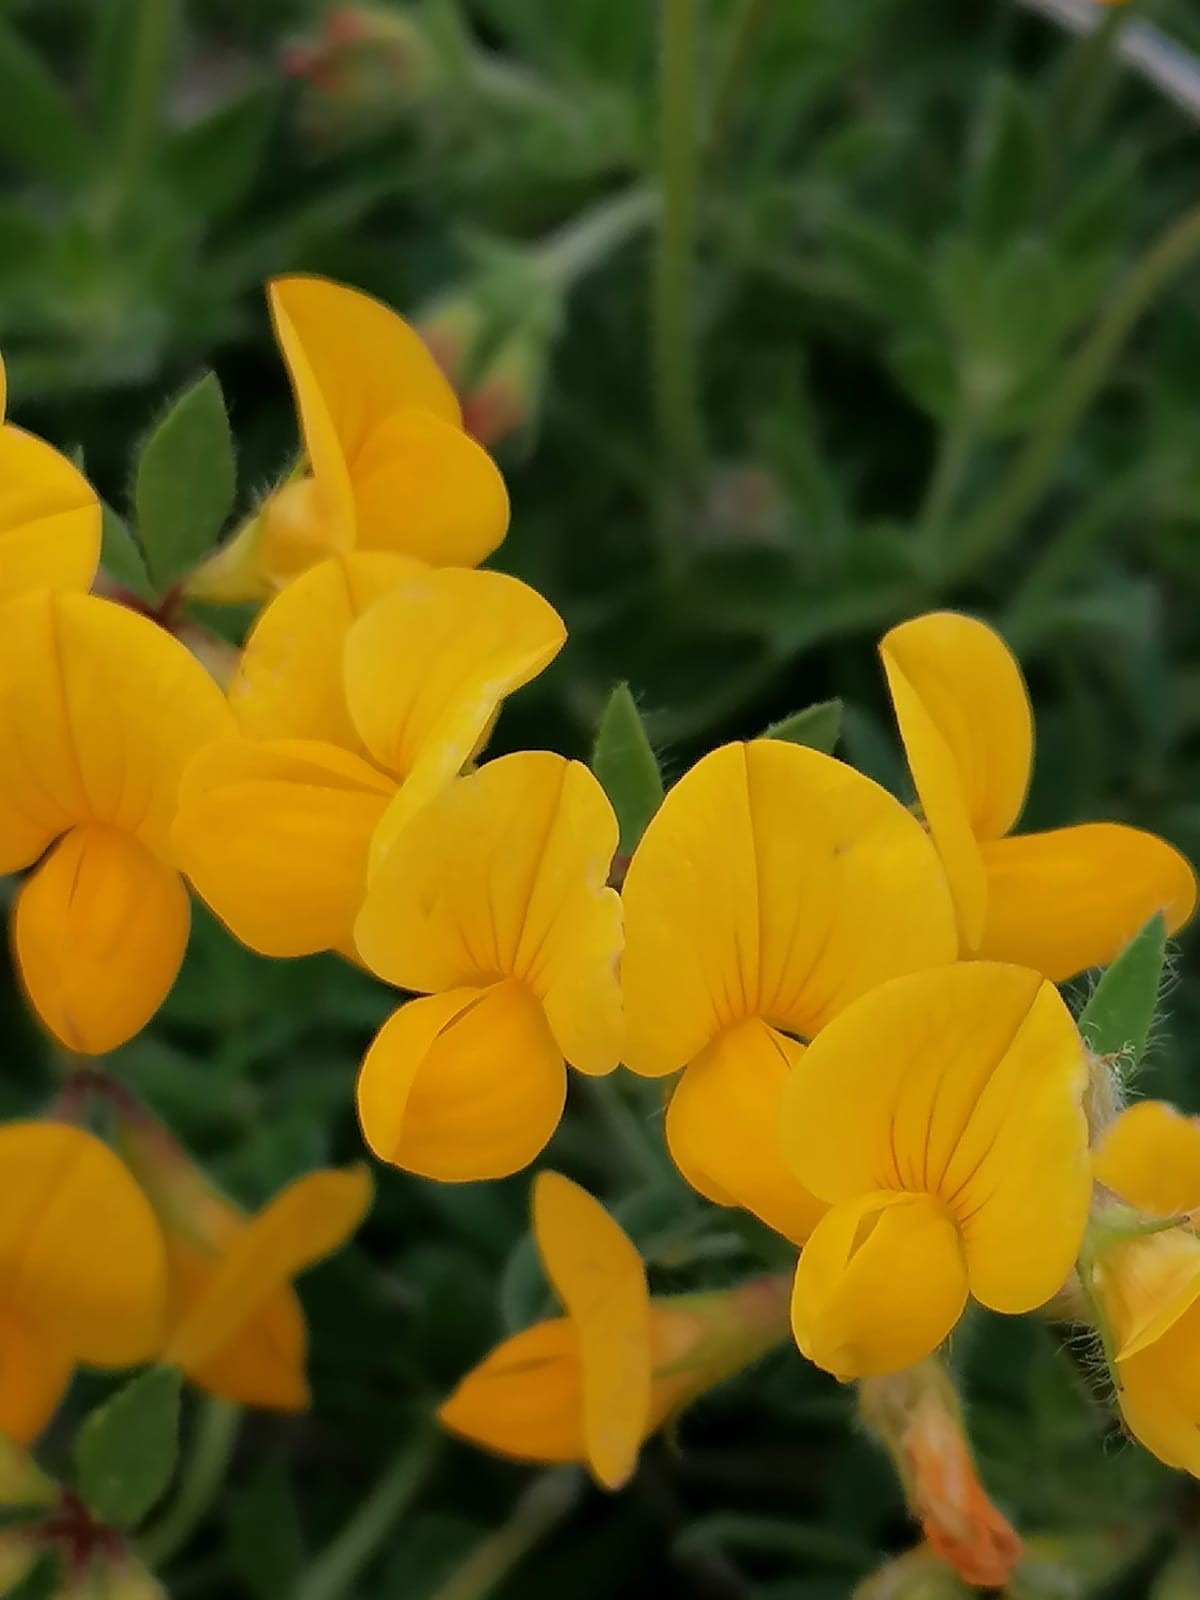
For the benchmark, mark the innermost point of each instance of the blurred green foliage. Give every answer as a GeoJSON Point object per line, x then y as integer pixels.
{"type": "Point", "coordinates": [913, 215]}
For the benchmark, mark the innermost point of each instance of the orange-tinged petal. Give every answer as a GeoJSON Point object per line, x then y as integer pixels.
{"type": "Point", "coordinates": [309, 1219]}
{"type": "Point", "coordinates": [723, 1128]}
{"type": "Point", "coordinates": [1073, 898]}
{"type": "Point", "coordinates": [526, 1399]}
{"type": "Point", "coordinates": [1150, 1157]}
{"type": "Point", "coordinates": [504, 874]}
{"type": "Point", "coordinates": [81, 1256]}
{"type": "Point", "coordinates": [290, 681]}
{"type": "Point", "coordinates": [879, 1285]}
{"type": "Point", "coordinates": [100, 930]}
{"type": "Point", "coordinates": [963, 1082]}
{"type": "Point", "coordinates": [774, 882]}
{"type": "Point", "coordinates": [464, 1085]}
{"type": "Point", "coordinates": [49, 519]}
{"type": "Point", "coordinates": [599, 1277]}
{"type": "Point", "coordinates": [971, 688]}
{"type": "Point", "coordinates": [263, 1364]}
{"type": "Point", "coordinates": [425, 488]}
{"type": "Point", "coordinates": [100, 711]}
{"type": "Point", "coordinates": [427, 665]}
{"type": "Point", "coordinates": [35, 1371]}
{"type": "Point", "coordinates": [275, 837]}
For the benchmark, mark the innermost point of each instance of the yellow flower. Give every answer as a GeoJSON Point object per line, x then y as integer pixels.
{"type": "Point", "coordinates": [49, 515]}
{"type": "Point", "coordinates": [363, 689]}
{"type": "Point", "coordinates": [82, 1276]}
{"type": "Point", "coordinates": [389, 465]}
{"type": "Point", "coordinates": [492, 904]}
{"type": "Point", "coordinates": [774, 885]}
{"type": "Point", "coordinates": [1149, 1287]}
{"type": "Point", "coordinates": [593, 1385]}
{"type": "Point", "coordinates": [940, 1119]}
{"type": "Point", "coordinates": [1059, 901]}
{"type": "Point", "coordinates": [234, 1324]}
{"type": "Point", "coordinates": [99, 712]}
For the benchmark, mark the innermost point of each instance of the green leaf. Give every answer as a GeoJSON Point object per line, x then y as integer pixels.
{"type": "Point", "coordinates": [125, 1451]}
{"type": "Point", "coordinates": [818, 726]}
{"type": "Point", "coordinates": [120, 557]}
{"type": "Point", "coordinates": [1008, 171]}
{"type": "Point", "coordinates": [38, 128]}
{"type": "Point", "coordinates": [1116, 1020]}
{"type": "Point", "coordinates": [185, 482]}
{"type": "Point", "coordinates": [626, 766]}
{"type": "Point", "coordinates": [212, 164]}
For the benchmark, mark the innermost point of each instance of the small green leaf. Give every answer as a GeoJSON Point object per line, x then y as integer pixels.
{"type": "Point", "coordinates": [39, 130]}
{"type": "Point", "coordinates": [212, 165]}
{"type": "Point", "coordinates": [1116, 1020]}
{"type": "Point", "coordinates": [626, 766]}
{"type": "Point", "coordinates": [120, 557]}
{"type": "Point", "coordinates": [1008, 171]}
{"type": "Point", "coordinates": [125, 1451]}
{"type": "Point", "coordinates": [185, 482]}
{"type": "Point", "coordinates": [818, 726]}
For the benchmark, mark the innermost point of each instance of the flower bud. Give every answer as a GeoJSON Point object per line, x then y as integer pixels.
{"type": "Point", "coordinates": [507, 391]}
{"type": "Point", "coordinates": [366, 67]}
{"type": "Point", "coordinates": [19, 1550]}
{"type": "Point", "coordinates": [916, 1416]}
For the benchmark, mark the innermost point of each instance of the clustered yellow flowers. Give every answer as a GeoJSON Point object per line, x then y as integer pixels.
{"type": "Point", "coordinates": [855, 1002]}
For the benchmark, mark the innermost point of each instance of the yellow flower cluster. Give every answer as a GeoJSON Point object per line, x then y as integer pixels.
{"type": "Point", "coordinates": [856, 1002]}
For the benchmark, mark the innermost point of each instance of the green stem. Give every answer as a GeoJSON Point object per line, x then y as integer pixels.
{"type": "Point", "coordinates": [547, 1501]}
{"type": "Point", "coordinates": [955, 448]}
{"type": "Point", "coordinates": [629, 1135]}
{"type": "Point", "coordinates": [588, 239]}
{"type": "Point", "coordinates": [140, 129]}
{"type": "Point", "coordinates": [337, 1567]}
{"type": "Point", "coordinates": [201, 1481]}
{"type": "Point", "coordinates": [674, 325]}
{"type": "Point", "coordinates": [744, 35]}
{"type": "Point", "coordinates": [982, 535]}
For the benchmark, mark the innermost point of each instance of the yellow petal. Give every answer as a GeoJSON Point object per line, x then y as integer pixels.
{"type": "Point", "coordinates": [309, 1219]}
{"type": "Point", "coordinates": [425, 488]}
{"type": "Point", "coordinates": [723, 1128]}
{"type": "Point", "coordinates": [1146, 1285]}
{"type": "Point", "coordinates": [426, 669]}
{"type": "Point", "coordinates": [464, 1085]}
{"type": "Point", "coordinates": [879, 1285]}
{"type": "Point", "coordinates": [290, 682]}
{"type": "Point", "coordinates": [526, 1399]}
{"type": "Point", "coordinates": [49, 519]}
{"type": "Point", "coordinates": [1160, 1395]}
{"type": "Point", "coordinates": [1073, 898]}
{"type": "Point", "coordinates": [971, 688]}
{"type": "Point", "coordinates": [365, 360]}
{"type": "Point", "coordinates": [100, 930]}
{"type": "Point", "coordinates": [599, 1277]}
{"type": "Point", "coordinates": [774, 882]}
{"type": "Point", "coordinates": [1150, 1157]}
{"type": "Point", "coordinates": [503, 874]}
{"type": "Point", "coordinates": [963, 1082]}
{"type": "Point", "coordinates": [944, 804]}
{"type": "Point", "coordinates": [275, 838]}
{"type": "Point", "coordinates": [35, 1371]}
{"type": "Point", "coordinates": [66, 1204]}
{"type": "Point", "coordinates": [100, 711]}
